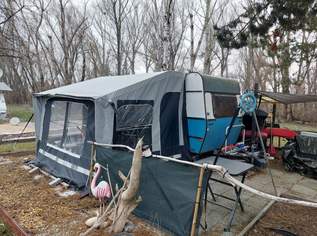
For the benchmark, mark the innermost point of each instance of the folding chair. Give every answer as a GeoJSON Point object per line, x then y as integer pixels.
{"type": "Point", "coordinates": [235, 168]}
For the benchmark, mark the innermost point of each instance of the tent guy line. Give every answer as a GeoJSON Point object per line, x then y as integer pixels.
{"type": "Point", "coordinates": [222, 172]}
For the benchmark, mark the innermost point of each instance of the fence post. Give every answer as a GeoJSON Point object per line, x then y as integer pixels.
{"type": "Point", "coordinates": [197, 201]}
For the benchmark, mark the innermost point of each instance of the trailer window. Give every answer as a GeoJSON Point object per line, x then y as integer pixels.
{"type": "Point", "coordinates": [209, 108]}
{"type": "Point", "coordinates": [224, 105]}
{"type": "Point", "coordinates": [67, 128]}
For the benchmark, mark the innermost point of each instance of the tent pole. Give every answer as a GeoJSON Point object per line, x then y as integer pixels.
{"type": "Point", "coordinates": [197, 201]}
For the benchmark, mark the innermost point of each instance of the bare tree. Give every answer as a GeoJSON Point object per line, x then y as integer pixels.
{"type": "Point", "coordinates": [206, 22]}
{"type": "Point", "coordinates": [135, 33]}
{"type": "Point", "coordinates": [115, 12]}
{"type": "Point", "coordinates": [68, 35]}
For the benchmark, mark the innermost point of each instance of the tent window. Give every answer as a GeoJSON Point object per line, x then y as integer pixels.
{"type": "Point", "coordinates": [224, 105]}
{"type": "Point", "coordinates": [67, 128]}
{"type": "Point", "coordinates": [58, 112]}
{"type": "Point", "coordinates": [134, 115]}
{"type": "Point", "coordinates": [133, 121]}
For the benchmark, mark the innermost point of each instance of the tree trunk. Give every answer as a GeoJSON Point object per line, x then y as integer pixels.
{"type": "Point", "coordinates": [192, 53]}
{"type": "Point", "coordinates": [210, 42]}
{"type": "Point", "coordinates": [167, 34]}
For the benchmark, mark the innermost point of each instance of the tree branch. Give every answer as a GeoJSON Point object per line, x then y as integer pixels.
{"type": "Point", "coordinates": [12, 15]}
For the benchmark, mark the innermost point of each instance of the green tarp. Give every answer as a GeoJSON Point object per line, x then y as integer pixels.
{"type": "Point", "coordinates": [168, 189]}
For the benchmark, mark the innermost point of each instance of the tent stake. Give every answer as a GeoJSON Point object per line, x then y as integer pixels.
{"type": "Point", "coordinates": [197, 201]}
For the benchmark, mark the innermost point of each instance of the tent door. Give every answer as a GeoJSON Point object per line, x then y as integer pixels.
{"type": "Point", "coordinates": [169, 124]}
{"type": "Point", "coordinates": [64, 151]}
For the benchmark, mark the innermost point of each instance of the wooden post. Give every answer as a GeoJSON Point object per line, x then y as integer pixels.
{"type": "Point", "coordinates": [197, 201]}
{"type": "Point", "coordinates": [92, 162]}
{"type": "Point", "coordinates": [274, 113]}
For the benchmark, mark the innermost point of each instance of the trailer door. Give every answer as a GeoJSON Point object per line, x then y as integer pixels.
{"type": "Point", "coordinates": [195, 111]}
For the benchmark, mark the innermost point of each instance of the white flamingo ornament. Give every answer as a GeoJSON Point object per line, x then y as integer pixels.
{"type": "Point", "coordinates": [102, 190]}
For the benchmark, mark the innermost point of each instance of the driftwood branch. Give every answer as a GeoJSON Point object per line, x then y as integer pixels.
{"type": "Point", "coordinates": [128, 200]}
{"type": "Point", "coordinates": [116, 215]}
{"type": "Point", "coordinates": [122, 176]}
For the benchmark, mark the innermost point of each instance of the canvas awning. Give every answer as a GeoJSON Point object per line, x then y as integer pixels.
{"type": "Point", "coordinates": [286, 98]}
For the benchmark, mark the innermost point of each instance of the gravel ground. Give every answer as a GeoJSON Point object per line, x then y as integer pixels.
{"type": "Point", "coordinates": [7, 128]}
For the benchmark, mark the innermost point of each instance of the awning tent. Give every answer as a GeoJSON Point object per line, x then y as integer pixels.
{"type": "Point", "coordinates": [272, 97]}
{"type": "Point", "coordinates": [165, 108]}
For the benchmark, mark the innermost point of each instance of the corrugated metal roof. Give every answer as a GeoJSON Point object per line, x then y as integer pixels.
{"type": "Point", "coordinates": [287, 98]}
{"type": "Point", "coordinates": [4, 87]}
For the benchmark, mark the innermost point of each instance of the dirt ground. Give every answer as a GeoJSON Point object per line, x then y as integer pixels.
{"type": "Point", "coordinates": [298, 220]}
{"type": "Point", "coordinates": [7, 128]}
{"type": "Point", "coordinates": [40, 210]}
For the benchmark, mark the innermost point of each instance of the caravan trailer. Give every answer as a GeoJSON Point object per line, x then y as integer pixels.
{"type": "Point", "coordinates": [210, 105]}
{"type": "Point", "coordinates": [178, 114]}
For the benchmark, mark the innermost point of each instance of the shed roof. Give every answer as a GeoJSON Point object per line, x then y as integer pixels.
{"type": "Point", "coordinates": [99, 87]}
{"type": "Point", "coordinates": [4, 87]}
{"type": "Point", "coordinates": [287, 98]}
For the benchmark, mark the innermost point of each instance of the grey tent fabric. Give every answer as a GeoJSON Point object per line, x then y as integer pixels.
{"type": "Point", "coordinates": [99, 87]}
{"type": "Point", "coordinates": [288, 98]}
{"type": "Point", "coordinates": [4, 87]}
{"type": "Point", "coordinates": [106, 90]}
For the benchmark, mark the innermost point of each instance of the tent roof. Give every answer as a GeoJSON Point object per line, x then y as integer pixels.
{"type": "Point", "coordinates": [98, 87]}
{"type": "Point", "coordinates": [287, 98]}
{"type": "Point", "coordinates": [102, 86]}
{"type": "Point", "coordinates": [4, 87]}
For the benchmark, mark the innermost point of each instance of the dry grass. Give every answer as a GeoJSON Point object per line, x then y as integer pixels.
{"type": "Point", "coordinates": [23, 112]}
{"type": "Point", "coordinates": [17, 147]}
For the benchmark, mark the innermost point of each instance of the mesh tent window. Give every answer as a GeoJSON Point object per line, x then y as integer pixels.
{"type": "Point", "coordinates": [57, 123]}
{"type": "Point", "coordinates": [68, 122]}
{"type": "Point", "coordinates": [133, 121]}
{"type": "Point", "coordinates": [134, 116]}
